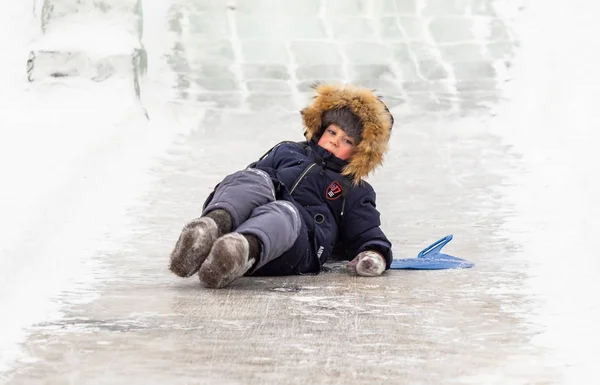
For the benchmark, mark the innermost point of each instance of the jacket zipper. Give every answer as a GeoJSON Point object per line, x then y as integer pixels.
{"type": "Point", "coordinates": [301, 177]}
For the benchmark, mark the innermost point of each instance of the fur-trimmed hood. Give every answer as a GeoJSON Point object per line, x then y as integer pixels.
{"type": "Point", "coordinates": [375, 117]}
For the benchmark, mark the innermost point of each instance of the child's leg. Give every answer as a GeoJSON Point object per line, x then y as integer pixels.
{"type": "Point", "coordinates": [231, 203]}
{"type": "Point", "coordinates": [276, 225]}
{"type": "Point", "coordinates": [270, 231]}
{"type": "Point", "coordinates": [240, 193]}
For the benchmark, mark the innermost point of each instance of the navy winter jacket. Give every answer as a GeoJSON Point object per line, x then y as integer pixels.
{"type": "Point", "coordinates": [337, 215]}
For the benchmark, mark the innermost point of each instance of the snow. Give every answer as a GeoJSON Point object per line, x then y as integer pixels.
{"type": "Point", "coordinates": [73, 157]}
{"type": "Point", "coordinates": [553, 120]}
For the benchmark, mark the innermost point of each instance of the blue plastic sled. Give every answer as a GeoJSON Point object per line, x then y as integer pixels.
{"type": "Point", "coordinates": [430, 258]}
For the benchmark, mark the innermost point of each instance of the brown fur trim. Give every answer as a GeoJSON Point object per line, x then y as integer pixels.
{"type": "Point", "coordinates": [376, 119]}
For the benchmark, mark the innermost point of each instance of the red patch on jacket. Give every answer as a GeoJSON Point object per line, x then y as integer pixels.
{"type": "Point", "coordinates": [334, 191]}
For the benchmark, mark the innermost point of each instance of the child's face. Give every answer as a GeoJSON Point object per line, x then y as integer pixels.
{"type": "Point", "coordinates": [336, 141]}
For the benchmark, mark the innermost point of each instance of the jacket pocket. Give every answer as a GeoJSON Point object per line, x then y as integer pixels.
{"type": "Point", "coordinates": [324, 232]}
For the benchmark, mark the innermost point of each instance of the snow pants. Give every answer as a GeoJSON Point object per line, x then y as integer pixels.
{"type": "Point", "coordinates": [249, 197]}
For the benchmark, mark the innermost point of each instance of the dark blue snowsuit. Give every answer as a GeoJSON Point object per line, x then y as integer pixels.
{"type": "Point", "coordinates": [333, 213]}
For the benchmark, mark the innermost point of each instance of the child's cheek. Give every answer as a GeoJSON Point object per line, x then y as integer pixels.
{"type": "Point", "coordinates": [344, 153]}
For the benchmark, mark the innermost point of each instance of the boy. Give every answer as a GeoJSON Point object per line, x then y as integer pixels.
{"type": "Point", "coordinates": [286, 213]}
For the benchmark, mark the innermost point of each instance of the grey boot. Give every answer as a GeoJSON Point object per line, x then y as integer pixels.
{"type": "Point", "coordinates": [196, 240]}
{"type": "Point", "coordinates": [230, 257]}
{"type": "Point", "coordinates": [193, 246]}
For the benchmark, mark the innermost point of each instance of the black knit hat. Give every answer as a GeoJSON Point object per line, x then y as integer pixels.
{"type": "Point", "coordinates": [346, 120]}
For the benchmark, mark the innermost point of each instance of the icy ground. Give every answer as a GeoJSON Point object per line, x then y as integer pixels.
{"type": "Point", "coordinates": [137, 108]}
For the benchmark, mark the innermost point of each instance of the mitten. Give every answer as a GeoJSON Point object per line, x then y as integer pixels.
{"type": "Point", "coordinates": [369, 263]}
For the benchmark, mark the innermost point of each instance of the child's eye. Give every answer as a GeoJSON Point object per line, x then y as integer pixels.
{"type": "Point", "coordinates": [348, 141]}
{"type": "Point", "coordinates": [331, 132]}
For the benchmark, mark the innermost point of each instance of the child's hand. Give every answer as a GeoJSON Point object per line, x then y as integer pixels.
{"type": "Point", "coordinates": [369, 263]}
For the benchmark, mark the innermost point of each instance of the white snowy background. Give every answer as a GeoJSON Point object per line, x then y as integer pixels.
{"type": "Point", "coordinates": [73, 155]}
{"type": "Point", "coordinates": [65, 143]}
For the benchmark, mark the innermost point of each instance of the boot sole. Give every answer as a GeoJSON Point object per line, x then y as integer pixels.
{"type": "Point", "coordinates": [190, 251]}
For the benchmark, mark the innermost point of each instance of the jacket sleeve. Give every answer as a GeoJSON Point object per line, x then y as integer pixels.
{"type": "Point", "coordinates": [361, 228]}
{"type": "Point", "coordinates": [271, 162]}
